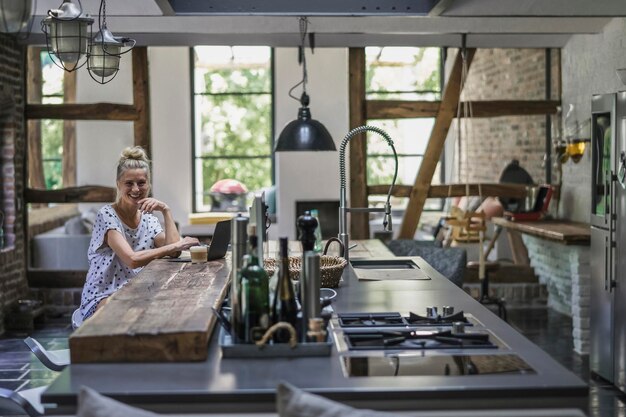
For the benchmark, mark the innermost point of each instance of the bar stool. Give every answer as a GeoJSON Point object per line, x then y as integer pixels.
{"type": "Point", "coordinates": [485, 298]}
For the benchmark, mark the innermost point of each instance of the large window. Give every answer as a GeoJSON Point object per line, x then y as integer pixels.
{"type": "Point", "coordinates": [233, 116]}
{"type": "Point", "coordinates": [401, 73]}
{"type": "Point", "coordinates": [52, 130]}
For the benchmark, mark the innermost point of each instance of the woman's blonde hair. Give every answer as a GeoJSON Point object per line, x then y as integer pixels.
{"type": "Point", "coordinates": [132, 158]}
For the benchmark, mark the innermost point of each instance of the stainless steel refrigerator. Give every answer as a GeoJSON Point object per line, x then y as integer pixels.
{"type": "Point", "coordinates": [603, 235]}
{"type": "Point", "coordinates": [619, 249]}
{"type": "Point", "coordinates": [608, 239]}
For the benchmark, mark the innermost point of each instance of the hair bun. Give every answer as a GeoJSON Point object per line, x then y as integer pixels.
{"type": "Point", "coordinates": [136, 152]}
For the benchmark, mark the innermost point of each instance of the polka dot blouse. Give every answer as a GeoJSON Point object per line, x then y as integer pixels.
{"type": "Point", "coordinates": [107, 272]}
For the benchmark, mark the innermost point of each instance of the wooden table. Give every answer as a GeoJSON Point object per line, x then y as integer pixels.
{"type": "Point", "coordinates": [563, 231]}
{"type": "Point", "coordinates": [164, 313]}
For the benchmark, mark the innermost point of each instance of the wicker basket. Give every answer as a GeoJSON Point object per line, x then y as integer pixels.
{"type": "Point", "coordinates": [331, 268]}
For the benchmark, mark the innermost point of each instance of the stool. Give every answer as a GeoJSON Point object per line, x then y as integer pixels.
{"type": "Point", "coordinates": [485, 298]}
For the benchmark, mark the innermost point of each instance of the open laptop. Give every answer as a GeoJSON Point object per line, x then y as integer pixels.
{"type": "Point", "coordinates": [219, 243]}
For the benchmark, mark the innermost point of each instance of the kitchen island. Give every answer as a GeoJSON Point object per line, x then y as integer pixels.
{"type": "Point", "coordinates": [248, 385]}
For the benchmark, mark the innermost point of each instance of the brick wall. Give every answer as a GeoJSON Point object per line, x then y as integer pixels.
{"type": "Point", "coordinates": [566, 272]}
{"type": "Point", "coordinates": [13, 283]}
{"type": "Point", "coordinates": [488, 144]}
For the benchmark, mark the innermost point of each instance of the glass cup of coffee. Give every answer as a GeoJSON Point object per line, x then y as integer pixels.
{"type": "Point", "coordinates": [198, 254]}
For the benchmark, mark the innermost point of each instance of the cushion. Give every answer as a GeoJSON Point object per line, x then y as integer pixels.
{"type": "Point", "coordinates": [88, 218]}
{"type": "Point", "coordinates": [449, 262]}
{"type": "Point", "coordinates": [92, 404]}
{"type": "Point", "coordinates": [293, 402]}
{"type": "Point", "coordinates": [75, 226]}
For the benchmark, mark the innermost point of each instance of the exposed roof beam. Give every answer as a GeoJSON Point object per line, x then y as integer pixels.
{"type": "Point", "coordinates": [477, 8]}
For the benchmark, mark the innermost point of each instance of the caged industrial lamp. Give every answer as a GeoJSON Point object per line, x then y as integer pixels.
{"type": "Point", "coordinates": [105, 51]}
{"type": "Point", "coordinates": [15, 16]}
{"type": "Point", "coordinates": [304, 133]}
{"type": "Point", "coordinates": [68, 32]}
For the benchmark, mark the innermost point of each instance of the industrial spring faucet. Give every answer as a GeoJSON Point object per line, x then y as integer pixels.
{"type": "Point", "coordinates": [343, 209]}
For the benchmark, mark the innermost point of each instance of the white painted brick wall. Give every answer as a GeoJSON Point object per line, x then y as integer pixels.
{"type": "Point", "coordinates": [566, 271]}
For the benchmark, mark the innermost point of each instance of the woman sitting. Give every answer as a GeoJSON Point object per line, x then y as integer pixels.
{"type": "Point", "coordinates": [126, 235]}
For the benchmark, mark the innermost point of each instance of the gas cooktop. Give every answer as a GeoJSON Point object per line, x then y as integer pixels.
{"type": "Point", "coordinates": [410, 340]}
{"type": "Point", "coordinates": [394, 319]}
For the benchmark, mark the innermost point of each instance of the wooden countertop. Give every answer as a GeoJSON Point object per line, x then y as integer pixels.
{"type": "Point", "coordinates": [163, 314]}
{"type": "Point", "coordinates": [563, 231]}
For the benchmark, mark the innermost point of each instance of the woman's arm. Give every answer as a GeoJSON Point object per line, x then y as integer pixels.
{"type": "Point", "coordinates": [133, 259]}
{"type": "Point", "coordinates": [148, 205]}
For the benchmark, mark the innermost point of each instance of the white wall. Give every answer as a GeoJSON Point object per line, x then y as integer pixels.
{"type": "Point", "coordinates": [299, 175]}
{"type": "Point", "coordinates": [304, 176]}
{"type": "Point", "coordinates": [588, 67]}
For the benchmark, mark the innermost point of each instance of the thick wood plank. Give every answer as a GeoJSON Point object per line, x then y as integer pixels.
{"type": "Point", "coordinates": [42, 278]}
{"type": "Point", "coordinates": [69, 132]}
{"type": "Point", "coordinates": [359, 222]}
{"type": "Point", "coordinates": [403, 109]}
{"type": "Point", "coordinates": [95, 111]}
{"type": "Point", "coordinates": [83, 194]}
{"type": "Point", "coordinates": [34, 95]}
{"type": "Point", "coordinates": [161, 315]}
{"type": "Point", "coordinates": [455, 190]}
{"type": "Point", "coordinates": [447, 111]}
{"type": "Point", "coordinates": [141, 97]}
{"type": "Point", "coordinates": [564, 231]}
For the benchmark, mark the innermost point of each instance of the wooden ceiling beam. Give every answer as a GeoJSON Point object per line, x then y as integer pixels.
{"type": "Point", "coordinates": [83, 194]}
{"type": "Point", "coordinates": [95, 111]}
{"type": "Point", "coordinates": [401, 109]}
{"type": "Point", "coordinates": [456, 190]}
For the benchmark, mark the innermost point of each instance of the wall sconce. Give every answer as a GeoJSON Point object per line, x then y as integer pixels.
{"type": "Point", "coordinates": [105, 51]}
{"type": "Point", "coordinates": [576, 149]}
{"type": "Point", "coordinates": [15, 16]}
{"type": "Point", "coordinates": [67, 36]}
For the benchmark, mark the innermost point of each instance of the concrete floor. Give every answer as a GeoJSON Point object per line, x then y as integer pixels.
{"type": "Point", "coordinates": [551, 331]}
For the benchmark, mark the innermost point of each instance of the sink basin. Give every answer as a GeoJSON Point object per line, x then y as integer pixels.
{"type": "Point", "coordinates": [383, 264]}
{"type": "Point", "coordinates": [398, 268]}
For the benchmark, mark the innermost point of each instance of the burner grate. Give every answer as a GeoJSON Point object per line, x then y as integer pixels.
{"type": "Point", "coordinates": [372, 320]}
{"type": "Point", "coordinates": [418, 340]}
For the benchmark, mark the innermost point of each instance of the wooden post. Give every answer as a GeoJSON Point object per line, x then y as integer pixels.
{"type": "Point", "coordinates": [69, 133]}
{"type": "Point", "coordinates": [141, 95]}
{"type": "Point", "coordinates": [447, 111]}
{"type": "Point", "coordinates": [34, 80]}
{"type": "Point", "coordinates": [359, 222]}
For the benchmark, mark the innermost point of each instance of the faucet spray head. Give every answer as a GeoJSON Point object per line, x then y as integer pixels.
{"type": "Point", "coordinates": [387, 225]}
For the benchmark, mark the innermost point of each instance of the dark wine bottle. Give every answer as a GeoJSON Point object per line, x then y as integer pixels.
{"type": "Point", "coordinates": [255, 312]}
{"type": "Point", "coordinates": [285, 307]}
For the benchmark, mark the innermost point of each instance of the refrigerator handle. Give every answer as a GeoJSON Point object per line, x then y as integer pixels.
{"type": "Point", "coordinates": [612, 225]}
{"type": "Point", "coordinates": [621, 172]}
{"type": "Point", "coordinates": [607, 243]}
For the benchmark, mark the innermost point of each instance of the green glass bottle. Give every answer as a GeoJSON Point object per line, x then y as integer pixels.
{"type": "Point", "coordinates": [255, 312]}
{"type": "Point", "coordinates": [285, 307]}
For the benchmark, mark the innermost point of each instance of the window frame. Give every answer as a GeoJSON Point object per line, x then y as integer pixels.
{"type": "Point", "coordinates": [442, 159]}
{"type": "Point", "coordinates": [271, 156]}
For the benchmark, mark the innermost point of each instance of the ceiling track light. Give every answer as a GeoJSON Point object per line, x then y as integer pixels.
{"type": "Point", "coordinates": [304, 133]}
{"type": "Point", "coordinates": [105, 51]}
{"type": "Point", "coordinates": [16, 17]}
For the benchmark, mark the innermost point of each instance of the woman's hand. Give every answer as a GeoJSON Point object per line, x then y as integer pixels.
{"type": "Point", "coordinates": [148, 205]}
{"type": "Point", "coordinates": [187, 242]}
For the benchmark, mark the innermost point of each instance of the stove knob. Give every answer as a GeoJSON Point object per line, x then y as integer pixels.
{"type": "Point", "coordinates": [448, 311]}
{"type": "Point", "coordinates": [458, 327]}
{"type": "Point", "coordinates": [431, 312]}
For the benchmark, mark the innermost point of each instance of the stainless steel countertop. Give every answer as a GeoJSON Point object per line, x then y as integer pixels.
{"type": "Point", "coordinates": [240, 385]}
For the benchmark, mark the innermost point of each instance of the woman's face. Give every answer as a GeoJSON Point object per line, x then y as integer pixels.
{"type": "Point", "coordinates": [133, 186]}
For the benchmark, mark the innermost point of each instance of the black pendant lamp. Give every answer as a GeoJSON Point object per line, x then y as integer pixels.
{"type": "Point", "coordinates": [304, 133]}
